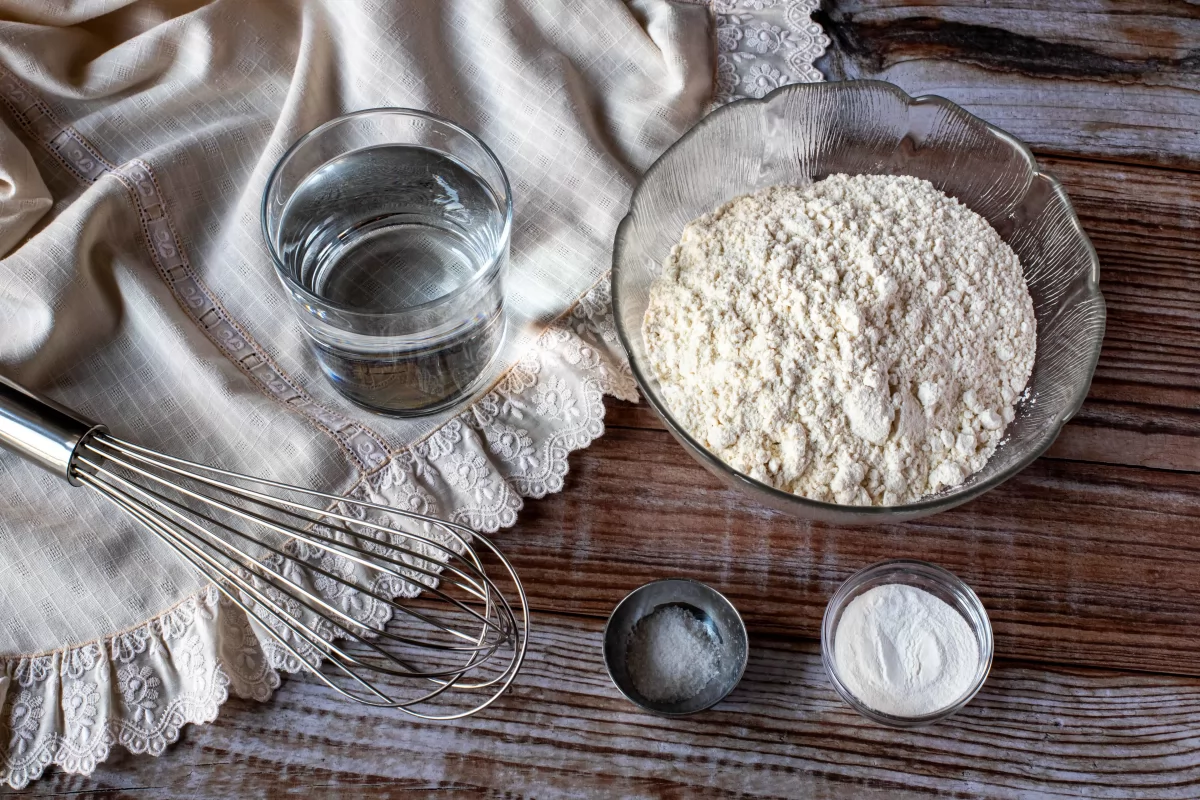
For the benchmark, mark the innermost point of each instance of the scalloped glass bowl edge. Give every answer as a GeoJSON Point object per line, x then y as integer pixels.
{"type": "Point", "coordinates": [804, 132]}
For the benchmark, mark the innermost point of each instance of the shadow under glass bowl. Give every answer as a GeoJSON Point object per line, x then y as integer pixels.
{"type": "Point", "coordinates": [802, 133]}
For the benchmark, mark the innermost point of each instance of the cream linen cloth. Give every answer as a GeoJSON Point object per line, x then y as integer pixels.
{"type": "Point", "coordinates": [134, 146]}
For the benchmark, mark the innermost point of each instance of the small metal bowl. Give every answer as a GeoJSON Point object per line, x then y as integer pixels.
{"type": "Point", "coordinates": [707, 605]}
{"type": "Point", "coordinates": [940, 583]}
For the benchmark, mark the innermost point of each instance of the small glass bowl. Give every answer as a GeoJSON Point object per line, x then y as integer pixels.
{"type": "Point", "coordinates": [940, 583]}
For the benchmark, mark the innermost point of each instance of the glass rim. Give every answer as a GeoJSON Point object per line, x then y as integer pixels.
{"type": "Point", "coordinates": [484, 269]}
{"type": "Point", "coordinates": [981, 626]}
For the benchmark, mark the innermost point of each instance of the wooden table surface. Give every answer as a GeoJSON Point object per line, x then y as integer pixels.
{"type": "Point", "coordinates": [1089, 561]}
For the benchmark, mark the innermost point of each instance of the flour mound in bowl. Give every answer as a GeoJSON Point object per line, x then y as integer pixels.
{"type": "Point", "coordinates": [861, 341]}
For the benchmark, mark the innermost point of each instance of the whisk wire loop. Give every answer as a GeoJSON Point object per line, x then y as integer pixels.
{"type": "Point", "coordinates": [203, 561]}
{"type": "Point", "coordinates": [349, 626]}
{"type": "Point", "coordinates": [169, 496]}
{"type": "Point", "coordinates": [174, 509]}
{"type": "Point", "coordinates": [111, 446]}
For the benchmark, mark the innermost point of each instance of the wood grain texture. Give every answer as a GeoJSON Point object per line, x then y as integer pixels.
{"type": "Point", "coordinates": [1082, 77]}
{"type": "Point", "coordinates": [1144, 404]}
{"type": "Point", "coordinates": [564, 731]}
{"type": "Point", "coordinates": [1079, 563]}
{"type": "Point", "coordinates": [1088, 557]}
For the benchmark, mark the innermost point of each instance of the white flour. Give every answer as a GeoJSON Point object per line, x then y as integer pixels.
{"type": "Point", "coordinates": [861, 340]}
{"type": "Point", "coordinates": [902, 651]}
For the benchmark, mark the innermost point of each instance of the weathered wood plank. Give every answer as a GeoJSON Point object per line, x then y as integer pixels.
{"type": "Point", "coordinates": [1132, 434]}
{"type": "Point", "coordinates": [564, 731]}
{"type": "Point", "coordinates": [1078, 563]}
{"type": "Point", "coordinates": [1081, 77]}
{"type": "Point", "coordinates": [1145, 224]}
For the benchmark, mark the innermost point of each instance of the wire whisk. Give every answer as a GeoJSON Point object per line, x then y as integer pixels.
{"type": "Point", "coordinates": [321, 575]}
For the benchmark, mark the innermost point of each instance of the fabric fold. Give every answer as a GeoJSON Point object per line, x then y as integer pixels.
{"type": "Point", "coordinates": [145, 300]}
{"type": "Point", "coordinates": [138, 688]}
{"type": "Point", "coordinates": [136, 289]}
{"type": "Point", "coordinates": [24, 198]}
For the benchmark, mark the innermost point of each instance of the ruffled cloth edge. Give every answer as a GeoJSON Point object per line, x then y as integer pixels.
{"type": "Point", "coordinates": [138, 689]}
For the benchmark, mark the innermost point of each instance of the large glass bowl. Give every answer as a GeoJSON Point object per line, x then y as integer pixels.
{"type": "Point", "coordinates": [800, 134]}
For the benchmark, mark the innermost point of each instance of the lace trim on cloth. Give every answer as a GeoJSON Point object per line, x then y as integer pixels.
{"type": "Point", "coordinates": [765, 44]}
{"type": "Point", "coordinates": [363, 445]}
{"type": "Point", "coordinates": [139, 688]}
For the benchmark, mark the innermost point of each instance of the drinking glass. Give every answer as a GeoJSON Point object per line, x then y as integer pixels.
{"type": "Point", "coordinates": [389, 229]}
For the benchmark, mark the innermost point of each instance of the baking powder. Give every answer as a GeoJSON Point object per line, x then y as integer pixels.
{"type": "Point", "coordinates": [671, 655]}
{"type": "Point", "coordinates": [904, 652]}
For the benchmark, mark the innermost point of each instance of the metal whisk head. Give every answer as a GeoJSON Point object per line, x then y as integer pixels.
{"type": "Point", "coordinates": [322, 575]}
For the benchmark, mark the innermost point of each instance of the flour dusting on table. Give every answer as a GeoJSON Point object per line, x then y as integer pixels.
{"type": "Point", "coordinates": [861, 340]}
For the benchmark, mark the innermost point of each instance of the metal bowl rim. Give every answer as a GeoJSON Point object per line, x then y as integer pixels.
{"type": "Point", "coordinates": [741, 626]}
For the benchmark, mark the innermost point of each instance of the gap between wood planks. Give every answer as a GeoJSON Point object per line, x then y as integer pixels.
{"type": "Point", "coordinates": [1050, 552]}
{"type": "Point", "coordinates": [1108, 160]}
{"type": "Point", "coordinates": [800, 639]}
{"type": "Point", "coordinates": [769, 638]}
{"type": "Point", "coordinates": [1067, 80]}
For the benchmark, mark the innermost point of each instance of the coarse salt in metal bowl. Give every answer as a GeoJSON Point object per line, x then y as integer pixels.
{"type": "Point", "coordinates": [802, 133]}
{"type": "Point", "coordinates": [707, 606]}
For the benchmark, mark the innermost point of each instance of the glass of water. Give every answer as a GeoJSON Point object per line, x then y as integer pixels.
{"type": "Point", "coordinates": [390, 229]}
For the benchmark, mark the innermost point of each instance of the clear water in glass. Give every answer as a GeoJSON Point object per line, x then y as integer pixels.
{"type": "Point", "coordinates": [385, 236]}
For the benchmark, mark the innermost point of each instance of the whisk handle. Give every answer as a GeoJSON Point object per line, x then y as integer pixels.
{"type": "Point", "coordinates": [40, 430]}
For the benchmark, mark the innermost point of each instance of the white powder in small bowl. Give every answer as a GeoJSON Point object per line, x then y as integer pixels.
{"type": "Point", "coordinates": [671, 655]}
{"type": "Point", "coordinates": [902, 651]}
